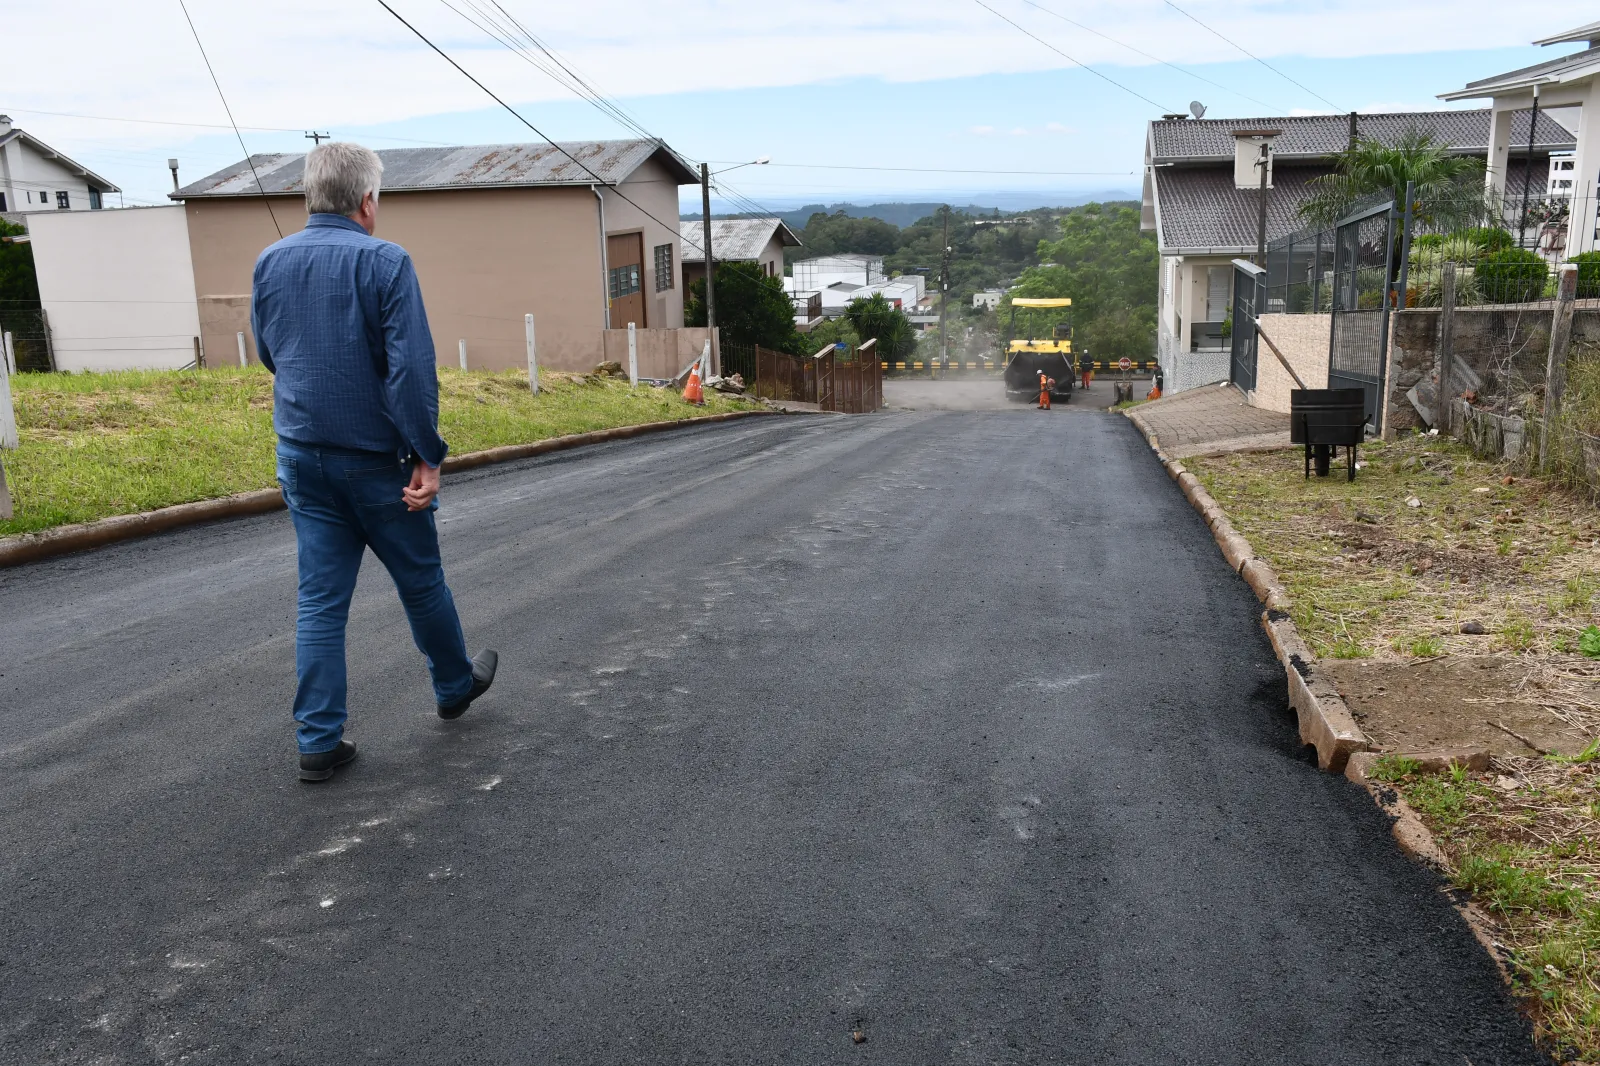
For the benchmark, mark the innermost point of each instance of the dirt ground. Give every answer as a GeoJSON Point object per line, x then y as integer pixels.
{"type": "Point", "coordinates": [1441, 594]}
{"type": "Point", "coordinates": [1454, 701]}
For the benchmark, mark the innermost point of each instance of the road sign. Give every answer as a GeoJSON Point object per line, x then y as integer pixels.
{"type": "Point", "coordinates": [1124, 363]}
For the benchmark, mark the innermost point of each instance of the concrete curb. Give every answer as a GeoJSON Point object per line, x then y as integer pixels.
{"type": "Point", "coordinates": [63, 540]}
{"type": "Point", "coordinates": [1325, 721]}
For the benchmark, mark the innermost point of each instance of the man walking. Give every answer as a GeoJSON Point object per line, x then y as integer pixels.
{"type": "Point", "coordinates": [339, 321]}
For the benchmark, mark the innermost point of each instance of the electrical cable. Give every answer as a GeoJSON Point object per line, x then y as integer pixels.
{"type": "Point", "coordinates": [1079, 63]}
{"type": "Point", "coordinates": [264, 197]}
{"type": "Point", "coordinates": [1147, 55]}
{"type": "Point", "coordinates": [1249, 53]}
{"type": "Point", "coordinates": [945, 170]}
{"type": "Point", "coordinates": [673, 227]}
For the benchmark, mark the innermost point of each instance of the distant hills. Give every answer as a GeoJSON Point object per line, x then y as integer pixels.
{"type": "Point", "coordinates": [903, 214]}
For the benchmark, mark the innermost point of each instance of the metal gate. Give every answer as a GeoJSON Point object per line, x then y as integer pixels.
{"type": "Point", "coordinates": [1247, 295]}
{"type": "Point", "coordinates": [1358, 346]}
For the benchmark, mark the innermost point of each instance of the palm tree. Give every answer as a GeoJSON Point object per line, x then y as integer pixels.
{"type": "Point", "coordinates": [1447, 188]}
{"type": "Point", "coordinates": [877, 318]}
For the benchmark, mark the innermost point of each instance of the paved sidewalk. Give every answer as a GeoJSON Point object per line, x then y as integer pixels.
{"type": "Point", "coordinates": [1211, 420]}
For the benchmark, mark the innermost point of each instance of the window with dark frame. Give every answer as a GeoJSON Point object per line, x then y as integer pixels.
{"type": "Point", "coordinates": [62, 201]}
{"type": "Point", "coordinates": [624, 281]}
{"type": "Point", "coordinates": [663, 267]}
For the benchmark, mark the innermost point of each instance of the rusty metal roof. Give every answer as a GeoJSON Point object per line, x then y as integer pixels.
{"type": "Point", "coordinates": [464, 167]}
{"type": "Point", "coordinates": [733, 239]}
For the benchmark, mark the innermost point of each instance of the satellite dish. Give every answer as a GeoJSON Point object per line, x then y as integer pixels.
{"type": "Point", "coordinates": [1197, 109]}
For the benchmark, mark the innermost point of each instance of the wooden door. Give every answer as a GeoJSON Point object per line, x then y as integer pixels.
{"type": "Point", "coordinates": [625, 265]}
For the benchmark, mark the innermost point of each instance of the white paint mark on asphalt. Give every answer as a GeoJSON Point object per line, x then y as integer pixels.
{"type": "Point", "coordinates": [339, 847]}
{"type": "Point", "coordinates": [611, 670]}
{"type": "Point", "coordinates": [372, 822]}
{"type": "Point", "coordinates": [490, 785]}
{"type": "Point", "coordinates": [181, 963]}
{"type": "Point", "coordinates": [325, 904]}
{"type": "Point", "coordinates": [1055, 684]}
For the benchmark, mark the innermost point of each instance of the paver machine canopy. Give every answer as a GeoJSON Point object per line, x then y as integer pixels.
{"type": "Point", "coordinates": [1025, 359]}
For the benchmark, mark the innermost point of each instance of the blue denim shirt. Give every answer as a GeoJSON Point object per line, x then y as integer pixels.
{"type": "Point", "coordinates": [339, 321]}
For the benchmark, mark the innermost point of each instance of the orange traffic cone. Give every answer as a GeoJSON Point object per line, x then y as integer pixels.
{"type": "Point", "coordinates": [692, 393]}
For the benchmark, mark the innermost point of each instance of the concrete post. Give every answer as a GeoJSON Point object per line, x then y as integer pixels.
{"type": "Point", "coordinates": [1445, 414]}
{"type": "Point", "coordinates": [10, 352]}
{"type": "Point", "coordinates": [8, 416]}
{"type": "Point", "coordinates": [1494, 173]}
{"type": "Point", "coordinates": [633, 355]}
{"type": "Point", "coordinates": [1585, 171]}
{"type": "Point", "coordinates": [461, 347]}
{"type": "Point", "coordinates": [5, 494]}
{"type": "Point", "coordinates": [705, 360]}
{"type": "Point", "coordinates": [533, 363]}
{"type": "Point", "coordinates": [244, 360]}
{"type": "Point", "coordinates": [1555, 372]}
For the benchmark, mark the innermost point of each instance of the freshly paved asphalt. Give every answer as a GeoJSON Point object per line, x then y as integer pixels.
{"type": "Point", "coordinates": [953, 728]}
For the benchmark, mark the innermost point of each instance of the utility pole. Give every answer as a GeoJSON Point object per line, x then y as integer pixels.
{"type": "Point", "coordinates": [1265, 163]}
{"type": "Point", "coordinates": [711, 296]}
{"type": "Point", "coordinates": [944, 291]}
{"type": "Point", "coordinates": [318, 138]}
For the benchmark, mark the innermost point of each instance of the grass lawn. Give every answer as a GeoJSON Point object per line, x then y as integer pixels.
{"type": "Point", "coordinates": [1427, 537]}
{"type": "Point", "coordinates": [1521, 838]}
{"type": "Point", "coordinates": [95, 445]}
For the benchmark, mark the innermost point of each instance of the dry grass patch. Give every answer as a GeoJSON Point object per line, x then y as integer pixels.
{"type": "Point", "coordinates": [95, 445]}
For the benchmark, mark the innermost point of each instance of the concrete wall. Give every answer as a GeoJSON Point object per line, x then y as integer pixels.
{"type": "Point", "coordinates": [118, 287]}
{"type": "Point", "coordinates": [484, 257]}
{"type": "Point", "coordinates": [1303, 340]}
{"type": "Point", "coordinates": [662, 353]}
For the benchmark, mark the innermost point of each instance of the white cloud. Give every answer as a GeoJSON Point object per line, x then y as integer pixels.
{"type": "Point", "coordinates": [982, 131]}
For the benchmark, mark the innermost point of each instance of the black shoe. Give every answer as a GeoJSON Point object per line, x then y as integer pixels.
{"type": "Point", "coordinates": [484, 664]}
{"type": "Point", "coordinates": [321, 765]}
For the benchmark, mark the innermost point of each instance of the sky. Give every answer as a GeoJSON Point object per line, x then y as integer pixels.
{"type": "Point", "coordinates": [1025, 102]}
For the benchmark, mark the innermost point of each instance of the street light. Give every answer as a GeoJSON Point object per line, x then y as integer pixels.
{"type": "Point", "coordinates": [763, 161]}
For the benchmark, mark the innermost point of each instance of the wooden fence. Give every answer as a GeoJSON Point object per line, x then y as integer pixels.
{"type": "Point", "coordinates": [847, 381]}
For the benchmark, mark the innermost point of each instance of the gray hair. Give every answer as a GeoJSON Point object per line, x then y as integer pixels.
{"type": "Point", "coordinates": [338, 175]}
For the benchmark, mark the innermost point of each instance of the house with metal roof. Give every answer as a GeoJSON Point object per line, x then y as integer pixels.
{"type": "Point", "coordinates": [736, 240]}
{"type": "Point", "coordinates": [36, 177]}
{"type": "Point", "coordinates": [1203, 198]}
{"type": "Point", "coordinates": [582, 235]}
{"type": "Point", "coordinates": [1573, 80]}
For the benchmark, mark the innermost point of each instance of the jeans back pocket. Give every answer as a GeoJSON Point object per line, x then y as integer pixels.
{"type": "Point", "coordinates": [288, 475]}
{"type": "Point", "coordinates": [377, 492]}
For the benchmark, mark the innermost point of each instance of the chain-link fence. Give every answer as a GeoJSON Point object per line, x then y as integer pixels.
{"type": "Point", "coordinates": [30, 336]}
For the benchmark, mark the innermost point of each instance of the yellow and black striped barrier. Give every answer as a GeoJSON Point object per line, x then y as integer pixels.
{"type": "Point", "coordinates": [1147, 367]}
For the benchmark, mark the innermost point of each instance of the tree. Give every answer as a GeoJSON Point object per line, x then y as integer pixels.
{"type": "Point", "coordinates": [875, 318]}
{"type": "Point", "coordinates": [1108, 268]}
{"type": "Point", "coordinates": [752, 308]}
{"type": "Point", "coordinates": [18, 285]}
{"type": "Point", "coordinates": [839, 234]}
{"type": "Point", "coordinates": [1448, 188]}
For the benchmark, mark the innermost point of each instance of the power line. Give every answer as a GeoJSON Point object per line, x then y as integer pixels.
{"type": "Point", "coordinates": [1075, 62]}
{"type": "Point", "coordinates": [518, 116]}
{"type": "Point", "coordinates": [229, 110]}
{"type": "Point", "coordinates": [204, 125]}
{"type": "Point", "coordinates": [945, 170]}
{"type": "Point", "coordinates": [1249, 53]}
{"type": "Point", "coordinates": [1147, 55]}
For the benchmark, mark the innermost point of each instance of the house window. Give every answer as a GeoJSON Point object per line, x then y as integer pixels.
{"type": "Point", "coordinates": [94, 200]}
{"type": "Point", "coordinates": [663, 267]}
{"type": "Point", "coordinates": [2, 201]}
{"type": "Point", "coordinates": [624, 281]}
{"type": "Point", "coordinates": [62, 202]}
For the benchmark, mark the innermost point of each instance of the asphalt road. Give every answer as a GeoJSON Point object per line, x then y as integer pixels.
{"type": "Point", "coordinates": [953, 728]}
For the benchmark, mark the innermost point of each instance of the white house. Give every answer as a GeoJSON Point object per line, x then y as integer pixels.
{"type": "Point", "coordinates": [987, 300]}
{"type": "Point", "coordinates": [118, 288]}
{"type": "Point", "coordinates": [1202, 198]}
{"type": "Point", "coordinates": [36, 177]}
{"type": "Point", "coordinates": [819, 273]}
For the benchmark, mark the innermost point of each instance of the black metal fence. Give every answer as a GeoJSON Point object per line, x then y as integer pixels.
{"type": "Point", "coordinates": [1299, 267]}
{"type": "Point", "coordinates": [1248, 289]}
{"type": "Point", "coordinates": [1363, 258]}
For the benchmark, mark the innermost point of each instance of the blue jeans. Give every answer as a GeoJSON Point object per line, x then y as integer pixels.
{"type": "Point", "coordinates": [344, 502]}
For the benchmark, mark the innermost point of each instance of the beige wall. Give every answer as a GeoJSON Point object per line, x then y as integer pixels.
{"type": "Point", "coordinates": [662, 353]}
{"type": "Point", "coordinates": [1303, 340]}
{"type": "Point", "coordinates": [484, 257]}
{"type": "Point", "coordinates": [651, 189]}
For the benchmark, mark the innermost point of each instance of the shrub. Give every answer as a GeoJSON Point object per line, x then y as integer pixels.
{"type": "Point", "coordinates": [1490, 239]}
{"type": "Point", "coordinates": [1511, 276]}
{"type": "Point", "coordinates": [1588, 274]}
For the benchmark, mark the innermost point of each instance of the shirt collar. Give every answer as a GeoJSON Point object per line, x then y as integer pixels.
{"type": "Point", "coordinates": [338, 221]}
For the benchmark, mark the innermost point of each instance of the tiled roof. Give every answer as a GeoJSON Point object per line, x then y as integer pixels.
{"type": "Point", "coordinates": [733, 239]}
{"type": "Point", "coordinates": [1200, 208]}
{"type": "Point", "coordinates": [466, 167]}
{"type": "Point", "coordinates": [1317, 136]}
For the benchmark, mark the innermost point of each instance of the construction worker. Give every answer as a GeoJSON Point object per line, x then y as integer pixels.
{"type": "Point", "coordinates": [1085, 367]}
{"type": "Point", "coordinates": [1045, 384]}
